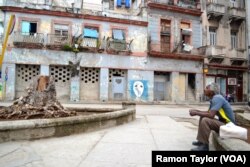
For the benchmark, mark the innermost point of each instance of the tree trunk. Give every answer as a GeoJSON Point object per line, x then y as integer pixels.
{"type": "Point", "coordinates": [40, 102]}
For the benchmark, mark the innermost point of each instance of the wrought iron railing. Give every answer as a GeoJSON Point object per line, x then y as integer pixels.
{"type": "Point", "coordinates": [54, 39]}
{"type": "Point", "coordinates": [28, 37]}
{"type": "Point", "coordinates": [119, 45]}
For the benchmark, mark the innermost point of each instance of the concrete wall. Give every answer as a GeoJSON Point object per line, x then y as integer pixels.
{"type": "Point", "coordinates": [139, 68]}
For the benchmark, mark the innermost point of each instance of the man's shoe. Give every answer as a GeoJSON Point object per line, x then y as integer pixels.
{"type": "Point", "coordinates": [203, 147]}
{"type": "Point", "coordinates": [197, 143]}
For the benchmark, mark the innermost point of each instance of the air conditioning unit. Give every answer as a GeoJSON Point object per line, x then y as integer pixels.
{"type": "Point", "coordinates": [186, 31]}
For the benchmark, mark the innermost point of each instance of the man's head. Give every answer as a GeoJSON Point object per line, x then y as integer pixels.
{"type": "Point", "coordinates": [211, 90]}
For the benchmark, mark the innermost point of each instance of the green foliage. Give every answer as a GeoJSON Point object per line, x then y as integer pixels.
{"type": "Point", "coordinates": [67, 47]}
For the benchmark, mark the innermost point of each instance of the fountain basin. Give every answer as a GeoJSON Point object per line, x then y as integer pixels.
{"type": "Point", "coordinates": [56, 127]}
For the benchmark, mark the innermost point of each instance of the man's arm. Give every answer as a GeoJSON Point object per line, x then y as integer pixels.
{"type": "Point", "coordinates": [211, 114]}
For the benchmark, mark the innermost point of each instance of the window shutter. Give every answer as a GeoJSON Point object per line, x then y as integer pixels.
{"type": "Point", "coordinates": [119, 3]}
{"type": "Point", "coordinates": [25, 27]}
{"type": "Point", "coordinates": [127, 4]}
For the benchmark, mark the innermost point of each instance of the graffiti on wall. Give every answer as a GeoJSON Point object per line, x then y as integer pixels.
{"type": "Point", "coordinates": [139, 89]}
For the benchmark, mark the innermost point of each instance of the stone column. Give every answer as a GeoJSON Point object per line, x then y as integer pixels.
{"type": "Point", "coordinates": [104, 84]}
{"type": "Point", "coordinates": [8, 81]}
{"type": "Point", "coordinates": [75, 88]}
{"type": "Point", "coordinates": [175, 87]}
{"type": "Point", "coordinates": [44, 70]}
{"type": "Point", "coordinates": [199, 86]}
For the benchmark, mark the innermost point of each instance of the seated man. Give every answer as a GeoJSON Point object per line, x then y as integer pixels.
{"type": "Point", "coordinates": [220, 107]}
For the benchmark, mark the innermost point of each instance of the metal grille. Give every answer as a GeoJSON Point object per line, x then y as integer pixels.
{"type": "Point", "coordinates": [117, 73]}
{"type": "Point", "coordinates": [25, 73]}
{"type": "Point", "coordinates": [60, 73]}
{"type": "Point", "coordinates": [89, 75]}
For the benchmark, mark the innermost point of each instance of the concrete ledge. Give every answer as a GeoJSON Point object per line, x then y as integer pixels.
{"type": "Point", "coordinates": [216, 143]}
{"type": "Point", "coordinates": [43, 128]}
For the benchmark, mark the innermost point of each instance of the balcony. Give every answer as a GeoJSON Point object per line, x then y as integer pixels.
{"type": "Point", "coordinates": [236, 14]}
{"type": "Point", "coordinates": [57, 42]}
{"type": "Point", "coordinates": [191, 7]}
{"type": "Point", "coordinates": [115, 46]}
{"type": "Point", "coordinates": [211, 50]}
{"type": "Point", "coordinates": [92, 44]}
{"type": "Point", "coordinates": [238, 53]}
{"type": "Point", "coordinates": [215, 10]}
{"type": "Point", "coordinates": [28, 40]}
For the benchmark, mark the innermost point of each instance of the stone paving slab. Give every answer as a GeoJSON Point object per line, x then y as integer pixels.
{"type": "Point", "coordinates": [128, 145]}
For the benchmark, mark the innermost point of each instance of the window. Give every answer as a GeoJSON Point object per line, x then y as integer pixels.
{"type": "Point", "coordinates": [29, 28]}
{"type": "Point", "coordinates": [120, 3]}
{"type": "Point", "coordinates": [165, 35]}
{"type": "Point", "coordinates": [111, 4]}
{"type": "Point", "coordinates": [233, 40]}
{"type": "Point", "coordinates": [213, 36]}
{"type": "Point", "coordinates": [90, 32]}
{"type": "Point", "coordinates": [118, 34]}
{"type": "Point", "coordinates": [61, 30]}
{"type": "Point", "coordinates": [186, 33]}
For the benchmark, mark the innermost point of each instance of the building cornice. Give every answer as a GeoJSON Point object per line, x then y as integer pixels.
{"type": "Point", "coordinates": [227, 67]}
{"type": "Point", "coordinates": [173, 8]}
{"type": "Point", "coordinates": [176, 56]}
{"type": "Point", "coordinates": [73, 15]}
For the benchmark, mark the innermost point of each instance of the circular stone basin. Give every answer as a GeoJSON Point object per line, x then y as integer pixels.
{"type": "Point", "coordinates": [86, 120]}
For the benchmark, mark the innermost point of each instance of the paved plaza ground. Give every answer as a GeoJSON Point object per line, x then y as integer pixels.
{"type": "Point", "coordinates": [157, 127]}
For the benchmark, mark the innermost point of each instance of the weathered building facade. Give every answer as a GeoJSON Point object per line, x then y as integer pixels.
{"type": "Point", "coordinates": [225, 46]}
{"type": "Point", "coordinates": [116, 50]}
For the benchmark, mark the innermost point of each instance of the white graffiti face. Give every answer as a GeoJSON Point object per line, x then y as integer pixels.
{"type": "Point", "coordinates": [138, 88]}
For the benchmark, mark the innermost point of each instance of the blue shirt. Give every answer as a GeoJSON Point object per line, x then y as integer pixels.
{"type": "Point", "coordinates": [218, 102]}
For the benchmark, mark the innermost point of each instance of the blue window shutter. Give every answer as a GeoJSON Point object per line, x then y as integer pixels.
{"type": "Point", "coordinates": [25, 27]}
{"type": "Point", "coordinates": [119, 3]}
{"type": "Point", "coordinates": [90, 33]}
{"type": "Point", "coordinates": [127, 4]}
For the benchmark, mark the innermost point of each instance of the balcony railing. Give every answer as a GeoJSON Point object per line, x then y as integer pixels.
{"type": "Point", "coordinates": [29, 37]}
{"type": "Point", "coordinates": [190, 4]}
{"type": "Point", "coordinates": [187, 4]}
{"type": "Point", "coordinates": [89, 42]}
{"type": "Point", "coordinates": [114, 45]}
{"type": "Point", "coordinates": [237, 13]}
{"type": "Point", "coordinates": [212, 50]}
{"type": "Point", "coordinates": [54, 39]}
{"type": "Point", "coordinates": [215, 8]}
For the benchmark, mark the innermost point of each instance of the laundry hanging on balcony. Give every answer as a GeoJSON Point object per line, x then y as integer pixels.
{"type": "Point", "coordinates": [119, 3]}
{"type": "Point", "coordinates": [90, 33]}
{"type": "Point", "coordinates": [118, 34]}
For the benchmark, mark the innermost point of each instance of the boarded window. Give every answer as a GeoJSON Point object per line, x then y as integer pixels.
{"type": "Point", "coordinates": [165, 35]}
